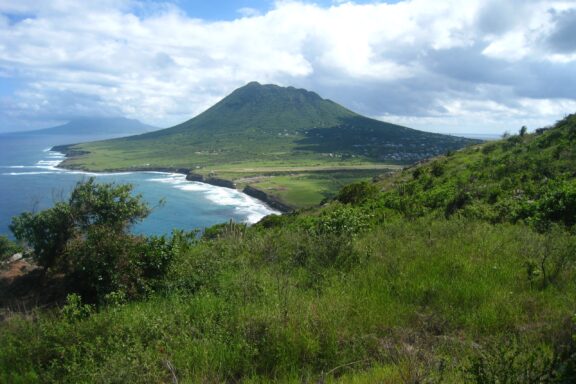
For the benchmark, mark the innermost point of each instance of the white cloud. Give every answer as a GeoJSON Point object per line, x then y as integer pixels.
{"type": "Point", "coordinates": [248, 12]}
{"type": "Point", "coordinates": [414, 61]}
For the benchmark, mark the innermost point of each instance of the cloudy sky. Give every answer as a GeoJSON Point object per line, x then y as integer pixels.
{"type": "Point", "coordinates": [473, 66]}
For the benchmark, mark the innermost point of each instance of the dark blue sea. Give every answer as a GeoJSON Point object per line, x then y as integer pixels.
{"type": "Point", "coordinates": [30, 180]}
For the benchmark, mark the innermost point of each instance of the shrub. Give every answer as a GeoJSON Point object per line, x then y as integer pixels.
{"type": "Point", "coordinates": [438, 168]}
{"type": "Point", "coordinates": [87, 238]}
{"type": "Point", "coordinates": [558, 204]}
{"type": "Point", "coordinates": [509, 362]}
{"type": "Point", "coordinates": [47, 232]}
{"type": "Point", "coordinates": [550, 258]}
{"type": "Point", "coordinates": [104, 205]}
{"type": "Point", "coordinates": [107, 262]}
{"type": "Point", "coordinates": [517, 360]}
{"type": "Point", "coordinates": [357, 193]}
{"type": "Point", "coordinates": [74, 309]}
{"type": "Point", "coordinates": [343, 221]}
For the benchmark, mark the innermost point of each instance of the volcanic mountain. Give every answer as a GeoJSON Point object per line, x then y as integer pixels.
{"type": "Point", "coordinates": [268, 125]}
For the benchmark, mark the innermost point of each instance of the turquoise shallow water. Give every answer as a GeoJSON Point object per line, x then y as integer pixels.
{"type": "Point", "coordinates": [31, 181]}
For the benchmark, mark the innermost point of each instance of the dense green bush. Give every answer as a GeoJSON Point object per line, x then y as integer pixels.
{"type": "Point", "coordinates": [558, 204]}
{"type": "Point", "coordinates": [357, 193]}
{"type": "Point", "coordinates": [87, 238]}
{"type": "Point", "coordinates": [47, 232]}
{"type": "Point", "coordinates": [105, 261]}
{"type": "Point", "coordinates": [102, 205]}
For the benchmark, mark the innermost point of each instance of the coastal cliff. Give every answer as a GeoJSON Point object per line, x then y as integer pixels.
{"type": "Point", "coordinates": [190, 176]}
{"type": "Point", "coordinates": [270, 200]}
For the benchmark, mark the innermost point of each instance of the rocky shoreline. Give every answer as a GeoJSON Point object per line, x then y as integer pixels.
{"type": "Point", "coordinates": [271, 201]}
{"type": "Point", "coordinates": [256, 193]}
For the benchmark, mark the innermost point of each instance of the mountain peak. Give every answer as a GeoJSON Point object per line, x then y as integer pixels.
{"type": "Point", "coordinates": [271, 97]}
{"type": "Point", "coordinates": [253, 84]}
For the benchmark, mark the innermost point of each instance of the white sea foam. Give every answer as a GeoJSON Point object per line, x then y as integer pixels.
{"type": "Point", "coordinates": [95, 174]}
{"type": "Point", "coordinates": [27, 173]}
{"type": "Point", "coordinates": [199, 187]}
{"type": "Point", "coordinates": [171, 178]}
{"type": "Point", "coordinates": [54, 159]}
{"type": "Point", "coordinates": [50, 165]}
{"type": "Point", "coordinates": [253, 209]}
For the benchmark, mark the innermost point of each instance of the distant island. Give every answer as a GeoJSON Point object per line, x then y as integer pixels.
{"type": "Point", "coordinates": [288, 143]}
{"type": "Point", "coordinates": [110, 126]}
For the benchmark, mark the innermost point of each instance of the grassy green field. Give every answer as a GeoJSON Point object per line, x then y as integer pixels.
{"type": "Point", "coordinates": [300, 183]}
{"type": "Point", "coordinates": [397, 303]}
{"type": "Point", "coordinates": [306, 189]}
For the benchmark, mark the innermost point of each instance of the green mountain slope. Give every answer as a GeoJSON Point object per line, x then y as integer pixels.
{"type": "Point", "coordinates": [263, 109]}
{"type": "Point", "coordinates": [267, 125]}
{"type": "Point", "coordinates": [528, 177]}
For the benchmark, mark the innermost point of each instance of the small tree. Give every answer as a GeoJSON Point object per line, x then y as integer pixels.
{"type": "Point", "coordinates": [105, 205]}
{"type": "Point", "coordinates": [109, 205]}
{"type": "Point", "coordinates": [87, 238]}
{"type": "Point", "coordinates": [523, 130]}
{"type": "Point", "coordinates": [46, 232]}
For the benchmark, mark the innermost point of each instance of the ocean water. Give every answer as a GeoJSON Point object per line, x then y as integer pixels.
{"type": "Point", "coordinates": [480, 136]}
{"type": "Point", "coordinates": [31, 181]}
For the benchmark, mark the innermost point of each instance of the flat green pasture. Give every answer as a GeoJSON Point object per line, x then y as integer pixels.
{"type": "Point", "coordinates": [299, 180]}
{"type": "Point", "coordinates": [308, 189]}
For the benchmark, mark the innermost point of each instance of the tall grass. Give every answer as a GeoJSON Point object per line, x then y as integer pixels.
{"type": "Point", "coordinates": [406, 301]}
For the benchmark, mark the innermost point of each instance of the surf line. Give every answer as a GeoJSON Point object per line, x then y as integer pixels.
{"type": "Point", "coordinates": [185, 175]}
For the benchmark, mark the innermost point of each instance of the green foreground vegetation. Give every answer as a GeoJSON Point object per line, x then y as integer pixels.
{"type": "Point", "coordinates": [462, 269]}
{"type": "Point", "coordinates": [405, 301]}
